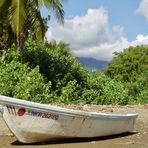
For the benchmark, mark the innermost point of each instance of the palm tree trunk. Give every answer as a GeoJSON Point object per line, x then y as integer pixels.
{"type": "Point", "coordinates": [20, 41]}
{"type": "Point", "coordinates": [11, 37]}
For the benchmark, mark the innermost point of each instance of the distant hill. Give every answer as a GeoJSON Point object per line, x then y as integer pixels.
{"type": "Point", "coordinates": [91, 63]}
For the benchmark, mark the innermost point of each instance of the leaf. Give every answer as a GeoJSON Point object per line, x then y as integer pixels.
{"type": "Point", "coordinates": [17, 15]}
{"type": "Point", "coordinates": [56, 6]}
{"type": "Point", "coordinates": [2, 2]}
{"type": "Point", "coordinates": [39, 27]}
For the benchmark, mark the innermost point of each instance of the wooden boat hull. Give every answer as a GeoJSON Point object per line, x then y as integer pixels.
{"type": "Point", "coordinates": [32, 122]}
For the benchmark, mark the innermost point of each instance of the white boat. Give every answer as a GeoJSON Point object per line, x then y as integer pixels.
{"type": "Point", "coordinates": [33, 122]}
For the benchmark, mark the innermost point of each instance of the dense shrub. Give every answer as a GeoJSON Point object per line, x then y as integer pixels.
{"type": "Point", "coordinates": [52, 62]}
{"type": "Point", "coordinates": [18, 80]}
{"type": "Point", "coordinates": [101, 89]}
{"type": "Point", "coordinates": [49, 73]}
{"type": "Point", "coordinates": [126, 66]}
{"type": "Point", "coordinates": [55, 62]}
{"type": "Point", "coordinates": [131, 68]}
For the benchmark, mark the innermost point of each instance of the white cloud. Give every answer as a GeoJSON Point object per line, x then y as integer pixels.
{"type": "Point", "coordinates": [143, 8]}
{"type": "Point", "coordinates": [140, 40]}
{"type": "Point", "coordinates": [90, 35]}
{"type": "Point", "coordinates": [83, 29]}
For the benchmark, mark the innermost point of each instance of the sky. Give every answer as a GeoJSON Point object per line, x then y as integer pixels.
{"type": "Point", "coordinates": [98, 28]}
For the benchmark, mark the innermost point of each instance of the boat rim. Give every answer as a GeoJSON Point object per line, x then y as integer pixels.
{"type": "Point", "coordinates": [5, 100]}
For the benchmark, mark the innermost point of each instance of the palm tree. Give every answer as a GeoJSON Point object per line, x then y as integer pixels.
{"type": "Point", "coordinates": [24, 17]}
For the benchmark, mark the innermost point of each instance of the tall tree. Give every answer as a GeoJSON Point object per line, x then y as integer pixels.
{"type": "Point", "coordinates": [128, 65]}
{"type": "Point", "coordinates": [24, 17]}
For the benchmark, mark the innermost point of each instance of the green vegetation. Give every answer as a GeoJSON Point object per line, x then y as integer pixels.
{"type": "Point", "coordinates": [131, 68]}
{"type": "Point", "coordinates": [18, 80]}
{"type": "Point", "coordinates": [21, 18]}
{"type": "Point", "coordinates": [48, 73]}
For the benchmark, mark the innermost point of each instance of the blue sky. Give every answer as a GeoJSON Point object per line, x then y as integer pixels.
{"type": "Point", "coordinates": [97, 28]}
{"type": "Point", "coordinates": [121, 12]}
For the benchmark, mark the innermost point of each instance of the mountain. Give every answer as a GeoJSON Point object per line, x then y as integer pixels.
{"type": "Point", "coordinates": [92, 64]}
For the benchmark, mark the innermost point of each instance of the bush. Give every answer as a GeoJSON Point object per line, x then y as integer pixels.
{"type": "Point", "coordinates": [126, 66]}
{"type": "Point", "coordinates": [131, 68]}
{"type": "Point", "coordinates": [101, 89]}
{"type": "Point", "coordinates": [54, 61]}
{"type": "Point", "coordinates": [18, 80]}
{"type": "Point", "coordinates": [48, 73]}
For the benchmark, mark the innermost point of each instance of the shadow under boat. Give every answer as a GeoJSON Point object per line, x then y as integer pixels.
{"type": "Point", "coordinates": [77, 140]}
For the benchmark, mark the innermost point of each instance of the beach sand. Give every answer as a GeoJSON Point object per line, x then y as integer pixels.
{"type": "Point", "coordinates": [137, 139]}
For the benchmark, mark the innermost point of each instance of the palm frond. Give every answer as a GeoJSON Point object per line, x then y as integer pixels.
{"type": "Point", "coordinates": [39, 27]}
{"type": "Point", "coordinates": [56, 6]}
{"type": "Point", "coordinates": [17, 15]}
{"type": "Point", "coordinates": [2, 2]}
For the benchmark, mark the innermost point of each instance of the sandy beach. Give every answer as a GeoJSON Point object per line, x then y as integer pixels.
{"type": "Point", "coordinates": [137, 139]}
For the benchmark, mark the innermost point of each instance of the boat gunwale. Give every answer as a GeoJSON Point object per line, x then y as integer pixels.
{"type": "Point", "coordinates": [4, 100]}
